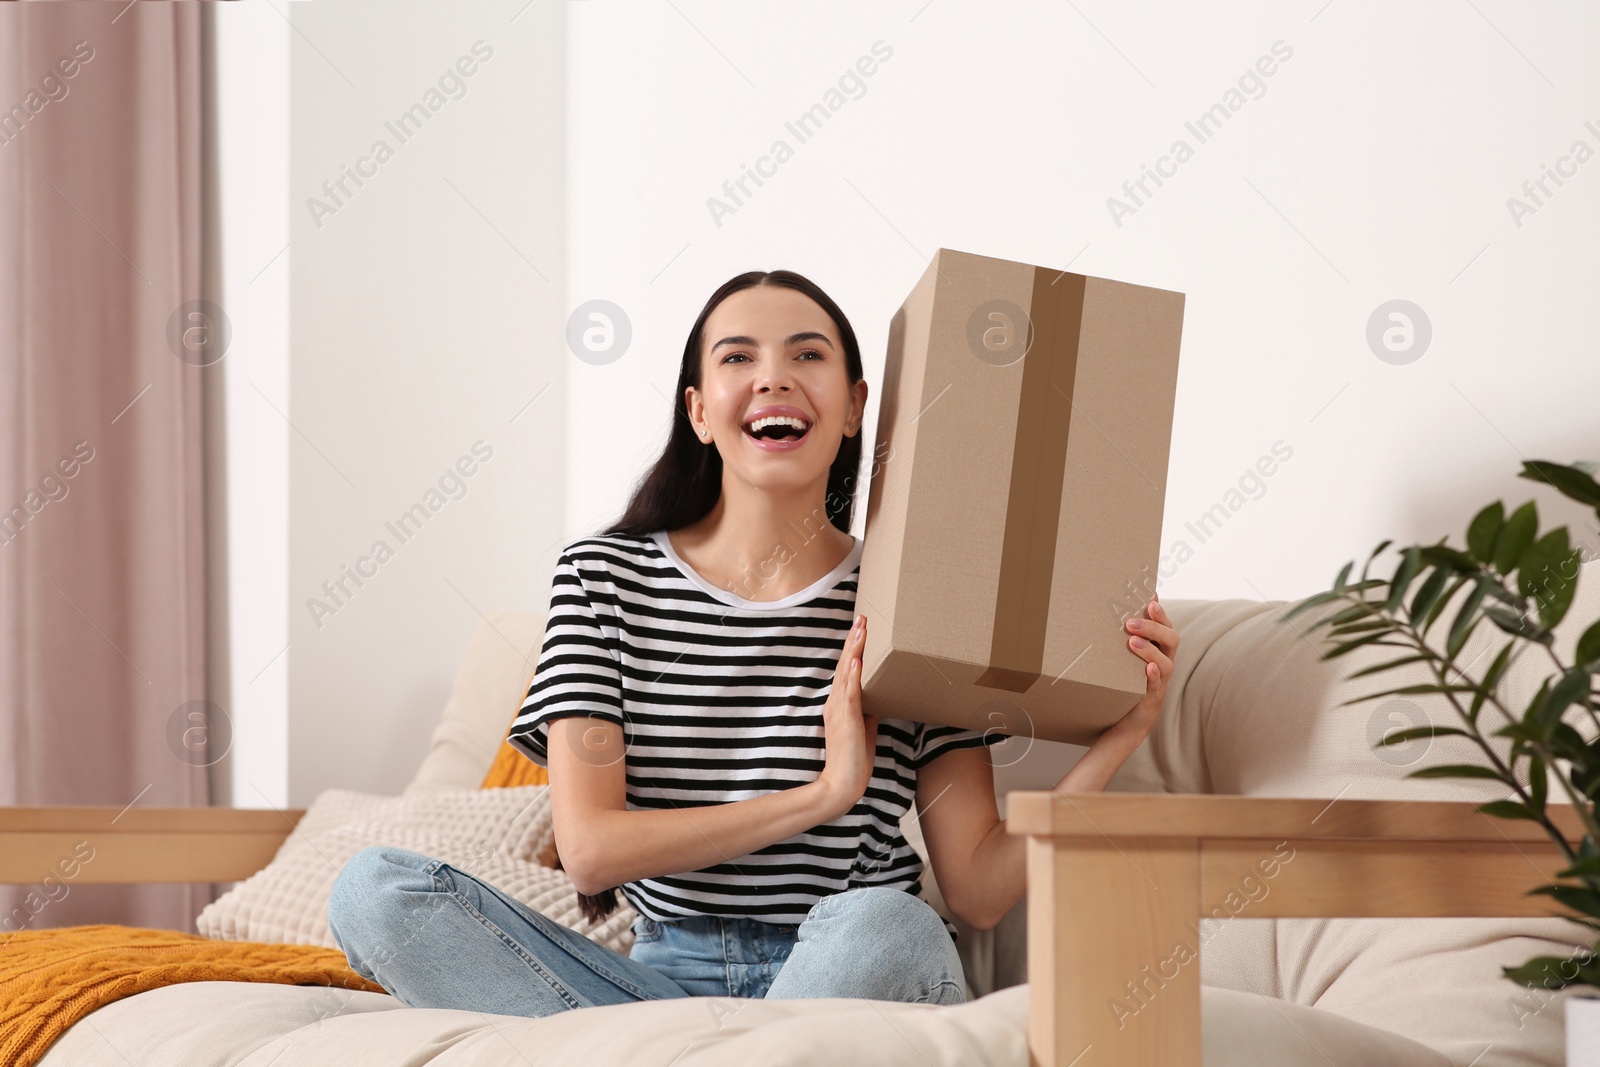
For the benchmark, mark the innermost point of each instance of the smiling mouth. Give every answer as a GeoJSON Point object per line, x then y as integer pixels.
{"type": "Point", "coordinates": [779, 434]}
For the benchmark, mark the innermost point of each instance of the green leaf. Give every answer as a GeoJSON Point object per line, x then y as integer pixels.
{"type": "Point", "coordinates": [1428, 687]}
{"type": "Point", "coordinates": [1344, 574]}
{"type": "Point", "coordinates": [1580, 899]}
{"type": "Point", "coordinates": [1429, 592]}
{"type": "Point", "coordinates": [1442, 554]}
{"type": "Point", "coordinates": [1538, 700]}
{"type": "Point", "coordinates": [1544, 972]}
{"type": "Point", "coordinates": [1456, 770]}
{"type": "Point", "coordinates": [1573, 686]}
{"type": "Point", "coordinates": [1510, 621]}
{"type": "Point", "coordinates": [1531, 722]}
{"type": "Point", "coordinates": [1588, 654]}
{"type": "Point", "coordinates": [1483, 530]}
{"type": "Point", "coordinates": [1553, 610]}
{"type": "Point", "coordinates": [1587, 867]}
{"type": "Point", "coordinates": [1361, 627]}
{"type": "Point", "coordinates": [1507, 809]}
{"type": "Point", "coordinates": [1363, 585]}
{"type": "Point", "coordinates": [1538, 558]}
{"type": "Point", "coordinates": [1377, 668]}
{"type": "Point", "coordinates": [1573, 482]}
{"type": "Point", "coordinates": [1350, 614]}
{"type": "Point", "coordinates": [1381, 546]}
{"type": "Point", "coordinates": [1521, 731]}
{"type": "Point", "coordinates": [1368, 639]}
{"type": "Point", "coordinates": [1566, 743]}
{"type": "Point", "coordinates": [1500, 593]}
{"type": "Point", "coordinates": [1548, 573]}
{"type": "Point", "coordinates": [1515, 537]}
{"type": "Point", "coordinates": [1440, 604]}
{"type": "Point", "coordinates": [1412, 733]}
{"type": "Point", "coordinates": [1585, 779]}
{"type": "Point", "coordinates": [1491, 679]}
{"type": "Point", "coordinates": [1466, 618]}
{"type": "Point", "coordinates": [1410, 563]}
{"type": "Point", "coordinates": [1310, 602]}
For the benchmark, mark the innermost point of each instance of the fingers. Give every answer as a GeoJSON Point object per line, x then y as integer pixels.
{"type": "Point", "coordinates": [1157, 663]}
{"type": "Point", "coordinates": [1153, 639]}
{"type": "Point", "coordinates": [853, 642]}
{"type": "Point", "coordinates": [1153, 632]}
{"type": "Point", "coordinates": [1155, 629]}
{"type": "Point", "coordinates": [852, 660]}
{"type": "Point", "coordinates": [1159, 615]}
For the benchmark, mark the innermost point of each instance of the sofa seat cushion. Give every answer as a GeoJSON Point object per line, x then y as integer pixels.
{"type": "Point", "coordinates": [236, 1024]}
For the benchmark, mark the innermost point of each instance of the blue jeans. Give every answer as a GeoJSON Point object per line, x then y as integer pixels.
{"type": "Point", "coordinates": [437, 937]}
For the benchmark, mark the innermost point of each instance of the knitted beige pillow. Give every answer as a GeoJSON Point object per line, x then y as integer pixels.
{"type": "Point", "coordinates": [493, 834]}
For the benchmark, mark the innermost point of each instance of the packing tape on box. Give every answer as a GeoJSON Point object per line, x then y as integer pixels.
{"type": "Point", "coordinates": [1038, 469]}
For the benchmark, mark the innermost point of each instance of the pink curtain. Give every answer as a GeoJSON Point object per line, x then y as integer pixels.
{"type": "Point", "coordinates": [102, 431]}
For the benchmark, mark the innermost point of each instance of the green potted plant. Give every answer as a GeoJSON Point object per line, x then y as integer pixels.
{"type": "Point", "coordinates": [1523, 582]}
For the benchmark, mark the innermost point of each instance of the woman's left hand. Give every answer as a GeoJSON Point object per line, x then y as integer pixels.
{"type": "Point", "coordinates": [1153, 639]}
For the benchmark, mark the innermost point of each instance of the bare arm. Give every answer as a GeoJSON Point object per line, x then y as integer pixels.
{"type": "Point", "coordinates": [602, 844]}
{"type": "Point", "coordinates": [982, 871]}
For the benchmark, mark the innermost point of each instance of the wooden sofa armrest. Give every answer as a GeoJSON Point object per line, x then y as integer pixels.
{"type": "Point", "coordinates": [1118, 884]}
{"type": "Point", "coordinates": [91, 844]}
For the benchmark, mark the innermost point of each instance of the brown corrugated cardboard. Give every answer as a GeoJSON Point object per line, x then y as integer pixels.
{"type": "Point", "coordinates": [1014, 513]}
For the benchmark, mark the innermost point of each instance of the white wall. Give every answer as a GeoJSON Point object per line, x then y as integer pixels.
{"type": "Point", "coordinates": [426, 314]}
{"type": "Point", "coordinates": [252, 42]}
{"type": "Point", "coordinates": [1375, 164]}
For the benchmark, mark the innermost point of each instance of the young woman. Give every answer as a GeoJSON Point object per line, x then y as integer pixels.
{"type": "Point", "coordinates": [698, 703]}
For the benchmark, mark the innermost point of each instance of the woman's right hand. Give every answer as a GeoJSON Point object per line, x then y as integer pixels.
{"type": "Point", "coordinates": [850, 734]}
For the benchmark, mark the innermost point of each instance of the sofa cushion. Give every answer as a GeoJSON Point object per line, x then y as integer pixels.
{"type": "Point", "coordinates": [238, 1024]}
{"type": "Point", "coordinates": [489, 687]}
{"type": "Point", "coordinates": [494, 834]}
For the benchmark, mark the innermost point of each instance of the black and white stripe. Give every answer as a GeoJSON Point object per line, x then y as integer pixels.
{"type": "Point", "coordinates": [720, 699]}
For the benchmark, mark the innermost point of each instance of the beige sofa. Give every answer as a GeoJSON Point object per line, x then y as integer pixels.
{"type": "Point", "coordinates": [1251, 711]}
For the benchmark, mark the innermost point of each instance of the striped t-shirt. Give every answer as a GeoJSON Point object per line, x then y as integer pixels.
{"type": "Point", "coordinates": [720, 699]}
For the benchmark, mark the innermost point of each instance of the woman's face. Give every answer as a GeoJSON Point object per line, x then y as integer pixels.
{"type": "Point", "coordinates": [771, 350]}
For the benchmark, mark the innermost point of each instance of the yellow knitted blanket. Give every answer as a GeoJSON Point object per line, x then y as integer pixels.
{"type": "Point", "coordinates": [49, 979]}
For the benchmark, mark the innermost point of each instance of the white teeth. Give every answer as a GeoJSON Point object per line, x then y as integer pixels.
{"type": "Point", "coordinates": [776, 420]}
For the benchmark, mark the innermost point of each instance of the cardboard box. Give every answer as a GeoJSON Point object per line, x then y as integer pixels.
{"type": "Point", "coordinates": [1014, 513]}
